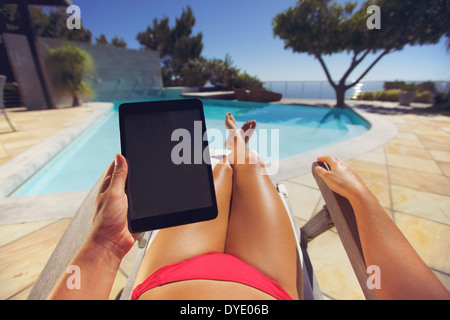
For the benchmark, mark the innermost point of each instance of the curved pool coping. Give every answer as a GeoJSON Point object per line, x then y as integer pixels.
{"type": "Point", "coordinates": [64, 205]}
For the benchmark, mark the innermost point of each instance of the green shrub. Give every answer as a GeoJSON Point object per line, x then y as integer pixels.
{"type": "Point", "coordinates": [427, 86]}
{"type": "Point", "coordinates": [409, 87]}
{"type": "Point", "coordinates": [369, 96]}
{"type": "Point", "coordinates": [244, 80]}
{"type": "Point", "coordinates": [425, 92]}
{"type": "Point", "coordinates": [70, 66]}
{"type": "Point", "coordinates": [424, 97]}
{"type": "Point", "coordinates": [441, 103]}
{"type": "Point", "coordinates": [387, 95]}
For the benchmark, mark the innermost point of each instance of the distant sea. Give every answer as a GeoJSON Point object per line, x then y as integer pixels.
{"type": "Point", "coordinates": [317, 89]}
{"type": "Point", "coordinates": [323, 90]}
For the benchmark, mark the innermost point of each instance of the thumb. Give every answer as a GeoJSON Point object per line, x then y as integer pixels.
{"type": "Point", "coordinates": [119, 175]}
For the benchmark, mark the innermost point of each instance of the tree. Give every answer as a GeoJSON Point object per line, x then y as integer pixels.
{"type": "Point", "coordinates": [195, 73]}
{"type": "Point", "coordinates": [51, 24]}
{"type": "Point", "coordinates": [116, 42]}
{"type": "Point", "coordinates": [221, 73]}
{"type": "Point", "coordinates": [70, 65]}
{"type": "Point", "coordinates": [176, 46]}
{"type": "Point", "coordinates": [324, 27]}
{"type": "Point", "coordinates": [101, 40]}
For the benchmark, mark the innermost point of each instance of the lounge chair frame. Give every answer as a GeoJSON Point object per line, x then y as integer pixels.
{"type": "Point", "coordinates": [337, 212]}
{"type": "Point", "coordinates": [2, 101]}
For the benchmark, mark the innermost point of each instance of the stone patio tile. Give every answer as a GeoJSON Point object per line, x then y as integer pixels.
{"type": "Point", "coordinates": [22, 295]}
{"type": "Point", "coordinates": [445, 166]}
{"type": "Point", "coordinates": [43, 133]}
{"type": "Point", "coordinates": [440, 155]}
{"type": "Point", "coordinates": [396, 120]}
{"type": "Point", "coordinates": [430, 144]}
{"type": "Point", "coordinates": [3, 152]}
{"type": "Point", "coordinates": [332, 268]}
{"type": "Point", "coordinates": [303, 199]}
{"type": "Point", "coordinates": [381, 191]}
{"type": "Point", "coordinates": [426, 205]}
{"type": "Point", "coordinates": [4, 160]}
{"type": "Point", "coordinates": [18, 139]}
{"type": "Point", "coordinates": [426, 130]}
{"type": "Point", "coordinates": [12, 232]}
{"type": "Point", "coordinates": [436, 138]}
{"type": "Point", "coordinates": [407, 142]}
{"type": "Point", "coordinates": [368, 170]}
{"type": "Point", "coordinates": [409, 136]}
{"type": "Point", "coordinates": [24, 259]}
{"type": "Point", "coordinates": [16, 151]}
{"type": "Point", "coordinates": [410, 151]}
{"type": "Point", "coordinates": [403, 128]}
{"type": "Point", "coordinates": [444, 123]}
{"type": "Point", "coordinates": [413, 163]}
{"type": "Point", "coordinates": [419, 180]}
{"type": "Point", "coordinates": [305, 180]}
{"type": "Point", "coordinates": [376, 156]}
{"type": "Point", "coordinates": [430, 239]}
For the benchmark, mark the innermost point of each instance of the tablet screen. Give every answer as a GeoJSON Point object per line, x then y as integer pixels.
{"type": "Point", "coordinates": [167, 173]}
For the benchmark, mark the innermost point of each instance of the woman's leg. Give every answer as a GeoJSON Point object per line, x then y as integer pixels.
{"type": "Point", "coordinates": [259, 228]}
{"type": "Point", "coordinates": [181, 243]}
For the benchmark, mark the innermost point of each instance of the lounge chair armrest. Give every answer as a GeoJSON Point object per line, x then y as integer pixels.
{"type": "Point", "coordinates": [67, 247]}
{"type": "Point", "coordinates": [343, 217]}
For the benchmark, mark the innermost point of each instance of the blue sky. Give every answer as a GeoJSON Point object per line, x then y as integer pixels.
{"type": "Point", "coordinates": [243, 30]}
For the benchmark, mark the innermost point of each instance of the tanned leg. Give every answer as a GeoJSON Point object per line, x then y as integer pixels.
{"type": "Point", "coordinates": [259, 228]}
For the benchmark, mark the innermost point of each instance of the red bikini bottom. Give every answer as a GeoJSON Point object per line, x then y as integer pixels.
{"type": "Point", "coordinates": [212, 266]}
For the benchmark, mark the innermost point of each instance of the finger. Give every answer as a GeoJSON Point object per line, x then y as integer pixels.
{"type": "Point", "coordinates": [320, 171]}
{"type": "Point", "coordinates": [119, 175]}
{"type": "Point", "coordinates": [331, 161]}
{"type": "Point", "coordinates": [107, 178]}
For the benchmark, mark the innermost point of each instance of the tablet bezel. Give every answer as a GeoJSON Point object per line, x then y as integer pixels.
{"type": "Point", "coordinates": [174, 218]}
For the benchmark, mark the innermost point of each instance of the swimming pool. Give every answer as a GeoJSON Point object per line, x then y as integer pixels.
{"type": "Point", "coordinates": [285, 130]}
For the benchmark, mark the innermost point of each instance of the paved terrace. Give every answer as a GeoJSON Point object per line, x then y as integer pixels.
{"type": "Point", "coordinates": [409, 174]}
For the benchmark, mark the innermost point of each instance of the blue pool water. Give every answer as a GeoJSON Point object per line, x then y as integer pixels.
{"type": "Point", "coordinates": [290, 130]}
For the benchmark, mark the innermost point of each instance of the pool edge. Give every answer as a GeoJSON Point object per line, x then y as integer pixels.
{"type": "Point", "coordinates": [19, 169]}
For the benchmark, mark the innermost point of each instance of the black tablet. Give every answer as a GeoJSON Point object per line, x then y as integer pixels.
{"type": "Point", "coordinates": [170, 180]}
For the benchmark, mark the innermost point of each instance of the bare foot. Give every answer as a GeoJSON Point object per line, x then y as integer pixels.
{"type": "Point", "coordinates": [237, 142]}
{"type": "Point", "coordinates": [230, 124]}
{"type": "Point", "coordinates": [246, 131]}
{"type": "Point", "coordinates": [230, 121]}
